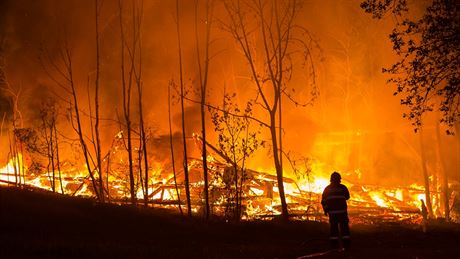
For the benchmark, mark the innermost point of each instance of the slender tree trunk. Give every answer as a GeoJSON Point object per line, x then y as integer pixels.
{"type": "Point", "coordinates": [443, 173]}
{"type": "Point", "coordinates": [137, 22]}
{"type": "Point", "coordinates": [77, 118]}
{"type": "Point", "coordinates": [107, 183]}
{"type": "Point", "coordinates": [425, 174]}
{"type": "Point", "coordinates": [185, 163]}
{"type": "Point", "coordinates": [23, 167]}
{"type": "Point", "coordinates": [144, 145]}
{"type": "Point", "coordinates": [235, 177]}
{"type": "Point", "coordinates": [280, 134]}
{"type": "Point", "coordinates": [203, 90]}
{"type": "Point", "coordinates": [279, 83]}
{"type": "Point", "coordinates": [126, 108]}
{"type": "Point", "coordinates": [48, 138]}
{"type": "Point", "coordinates": [144, 150]}
{"type": "Point", "coordinates": [279, 169]}
{"type": "Point", "coordinates": [204, 156]}
{"type": "Point", "coordinates": [172, 151]}
{"type": "Point", "coordinates": [96, 102]}
{"type": "Point", "coordinates": [130, 148]}
{"type": "Point", "coordinates": [242, 180]}
{"type": "Point", "coordinates": [58, 161]}
{"type": "Point", "coordinates": [51, 154]}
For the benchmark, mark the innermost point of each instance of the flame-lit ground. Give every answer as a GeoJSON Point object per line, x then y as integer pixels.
{"type": "Point", "coordinates": [260, 199]}
{"type": "Point", "coordinates": [38, 224]}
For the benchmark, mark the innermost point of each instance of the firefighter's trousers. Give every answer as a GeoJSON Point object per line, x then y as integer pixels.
{"type": "Point", "coordinates": [339, 228]}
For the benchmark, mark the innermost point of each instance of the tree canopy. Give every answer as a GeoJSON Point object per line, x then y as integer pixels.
{"type": "Point", "coordinates": [427, 74]}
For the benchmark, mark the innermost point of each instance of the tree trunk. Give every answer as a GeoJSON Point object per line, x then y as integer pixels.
{"type": "Point", "coordinates": [279, 169]}
{"type": "Point", "coordinates": [205, 161]}
{"type": "Point", "coordinates": [144, 149]}
{"type": "Point", "coordinates": [425, 174]}
{"type": "Point", "coordinates": [172, 150]}
{"type": "Point", "coordinates": [185, 163]}
{"type": "Point", "coordinates": [77, 118]}
{"type": "Point", "coordinates": [51, 157]}
{"type": "Point", "coordinates": [58, 161]}
{"type": "Point", "coordinates": [96, 103]}
{"type": "Point", "coordinates": [126, 107]}
{"type": "Point", "coordinates": [130, 158]}
{"type": "Point", "coordinates": [203, 87]}
{"type": "Point", "coordinates": [142, 129]}
{"type": "Point", "coordinates": [443, 173]}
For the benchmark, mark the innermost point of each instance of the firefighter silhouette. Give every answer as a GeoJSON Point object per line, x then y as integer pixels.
{"type": "Point", "coordinates": [334, 202]}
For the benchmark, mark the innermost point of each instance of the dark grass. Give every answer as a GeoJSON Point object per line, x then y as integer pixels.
{"type": "Point", "coordinates": [37, 224]}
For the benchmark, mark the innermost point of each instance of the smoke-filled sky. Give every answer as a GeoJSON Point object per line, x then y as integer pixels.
{"type": "Point", "coordinates": [355, 124]}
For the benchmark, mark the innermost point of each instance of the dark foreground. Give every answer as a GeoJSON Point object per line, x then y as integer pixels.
{"type": "Point", "coordinates": [43, 225]}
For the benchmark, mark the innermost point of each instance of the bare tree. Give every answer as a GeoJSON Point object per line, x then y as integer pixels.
{"type": "Point", "coordinates": [62, 74]}
{"type": "Point", "coordinates": [68, 76]}
{"type": "Point", "coordinates": [97, 147]}
{"type": "Point", "coordinates": [182, 96]}
{"type": "Point", "coordinates": [203, 77]}
{"type": "Point", "coordinates": [173, 161]}
{"type": "Point", "coordinates": [138, 15]}
{"type": "Point", "coordinates": [282, 44]}
{"type": "Point", "coordinates": [127, 90]}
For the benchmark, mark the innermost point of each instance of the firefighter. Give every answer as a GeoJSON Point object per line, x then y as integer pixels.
{"type": "Point", "coordinates": [334, 202]}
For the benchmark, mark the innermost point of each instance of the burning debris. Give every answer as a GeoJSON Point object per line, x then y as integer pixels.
{"type": "Point", "coordinates": [260, 200]}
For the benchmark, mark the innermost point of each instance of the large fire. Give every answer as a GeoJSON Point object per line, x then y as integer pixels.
{"type": "Point", "coordinates": [261, 199]}
{"type": "Point", "coordinates": [99, 110]}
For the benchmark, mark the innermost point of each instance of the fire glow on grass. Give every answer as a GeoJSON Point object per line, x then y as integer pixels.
{"type": "Point", "coordinates": [260, 195]}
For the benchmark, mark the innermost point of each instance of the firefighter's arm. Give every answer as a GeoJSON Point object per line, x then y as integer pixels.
{"type": "Point", "coordinates": [323, 202]}
{"type": "Point", "coordinates": [347, 193]}
{"type": "Point", "coordinates": [325, 209]}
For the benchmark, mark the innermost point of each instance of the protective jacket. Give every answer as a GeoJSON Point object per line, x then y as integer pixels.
{"type": "Point", "coordinates": [334, 199]}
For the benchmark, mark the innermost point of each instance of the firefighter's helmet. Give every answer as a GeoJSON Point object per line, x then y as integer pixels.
{"type": "Point", "coordinates": [335, 177]}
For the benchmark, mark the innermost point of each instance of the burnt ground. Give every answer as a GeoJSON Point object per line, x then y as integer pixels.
{"type": "Point", "coordinates": [36, 224]}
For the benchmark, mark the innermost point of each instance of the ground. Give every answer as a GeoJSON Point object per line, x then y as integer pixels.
{"type": "Point", "coordinates": [36, 224]}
